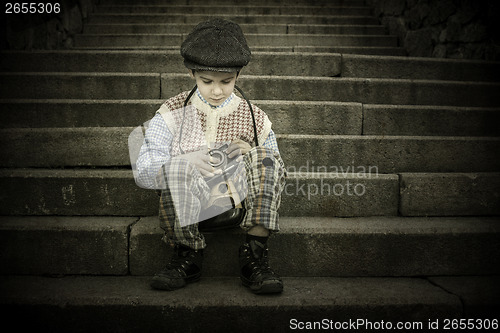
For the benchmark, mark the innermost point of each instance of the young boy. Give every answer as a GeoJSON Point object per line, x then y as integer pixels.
{"type": "Point", "coordinates": [214, 53]}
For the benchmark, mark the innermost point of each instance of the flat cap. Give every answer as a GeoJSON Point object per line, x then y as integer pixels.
{"type": "Point", "coordinates": [216, 45]}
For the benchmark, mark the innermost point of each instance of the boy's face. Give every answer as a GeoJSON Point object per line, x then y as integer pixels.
{"type": "Point", "coordinates": [215, 87]}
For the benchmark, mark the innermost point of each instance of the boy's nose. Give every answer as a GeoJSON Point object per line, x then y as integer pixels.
{"type": "Point", "coordinates": [217, 90]}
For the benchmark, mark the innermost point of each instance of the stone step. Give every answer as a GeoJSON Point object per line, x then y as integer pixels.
{"type": "Point", "coordinates": [389, 154]}
{"type": "Point", "coordinates": [361, 90]}
{"type": "Point", "coordinates": [419, 68]}
{"type": "Point", "coordinates": [236, 10]}
{"type": "Point", "coordinates": [341, 194]}
{"type": "Point", "coordinates": [283, 3]}
{"type": "Point", "coordinates": [113, 192]}
{"type": "Point", "coordinates": [168, 28]}
{"type": "Point", "coordinates": [366, 50]}
{"type": "Point", "coordinates": [125, 40]}
{"type": "Point", "coordinates": [80, 85]}
{"type": "Point", "coordinates": [170, 61]}
{"type": "Point", "coordinates": [127, 304]}
{"type": "Point", "coordinates": [430, 120]}
{"type": "Point", "coordinates": [424, 194]}
{"type": "Point", "coordinates": [52, 85]}
{"type": "Point", "coordinates": [240, 19]}
{"type": "Point", "coordinates": [65, 245]}
{"type": "Point", "coordinates": [299, 117]}
{"type": "Point", "coordinates": [109, 147]}
{"type": "Point", "coordinates": [411, 247]}
{"type": "Point", "coordinates": [287, 117]}
{"type": "Point", "coordinates": [262, 63]}
{"type": "Point", "coordinates": [392, 246]}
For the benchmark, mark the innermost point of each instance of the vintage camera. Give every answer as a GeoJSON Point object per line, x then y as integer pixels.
{"type": "Point", "coordinates": [224, 193]}
{"type": "Point", "coordinates": [225, 208]}
{"type": "Point", "coordinates": [222, 162]}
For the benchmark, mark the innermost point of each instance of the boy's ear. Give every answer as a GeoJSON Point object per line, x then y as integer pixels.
{"type": "Point", "coordinates": [191, 73]}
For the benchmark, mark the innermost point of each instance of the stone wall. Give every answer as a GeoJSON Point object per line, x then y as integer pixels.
{"type": "Point", "coordinates": [464, 29]}
{"type": "Point", "coordinates": [45, 31]}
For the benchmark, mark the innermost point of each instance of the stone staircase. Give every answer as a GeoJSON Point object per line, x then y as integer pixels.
{"type": "Point", "coordinates": [390, 211]}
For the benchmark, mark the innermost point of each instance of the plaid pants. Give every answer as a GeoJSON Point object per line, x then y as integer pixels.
{"type": "Point", "coordinates": [265, 174]}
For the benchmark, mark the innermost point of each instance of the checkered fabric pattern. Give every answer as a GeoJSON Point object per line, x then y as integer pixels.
{"type": "Point", "coordinates": [266, 180]}
{"type": "Point", "coordinates": [158, 142]}
{"type": "Point", "coordinates": [237, 124]}
{"type": "Point", "coordinates": [226, 102]}
{"type": "Point", "coordinates": [186, 195]}
{"type": "Point", "coordinates": [265, 175]}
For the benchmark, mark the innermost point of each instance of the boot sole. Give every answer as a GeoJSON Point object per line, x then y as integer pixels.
{"type": "Point", "coordinates": [266, 287]}
{"type": "Point", "coordinates": [158, 284]}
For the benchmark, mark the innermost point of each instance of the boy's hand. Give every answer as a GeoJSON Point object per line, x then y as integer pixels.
{"type": "Point", "coordinates": [237, 147]}
{"type": "Point", "coordinates": [200, 160]}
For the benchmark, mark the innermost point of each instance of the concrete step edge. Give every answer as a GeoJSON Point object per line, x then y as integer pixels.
{"type": "Point", "coordinates": [346, 118]}
{"type": "Point", "coordinates": [134, 40]}
{"type": "Point", "coordinates": [139, 240]}
{"type": "Point", "coordinates": [76, 147]}
{"type": "Point", "coordinates": [385, 58]}
{"type": "Point", "coordinates": [371, 225]}
{"type": "Point", "coordinates": [241, 25]}
{"type": "Point", "coordinates": [382, 137]}
{"type": "Point", "coordinates": [375, 50]}
{"type": "Point", "coordinates": [128, 304]}
{"type": "Point", "coordinates": [102, 192]}
{"type": "Point", "coordinates": [247, 34]}
{"type": "Point", "coordinates": [294, 137]}
{"type": "Point", "coordinates": [97, 14]}
{"type": "Point", "coordinates": [236, 5]}
{"type": "Point", "coordinates": [234, 2]}
{"type": "Point", "coordinates": [257, 77]}
{"type": "Point", "coordinates": [101, 173]}
{"type": "Point", "coordinates": [255, 101]}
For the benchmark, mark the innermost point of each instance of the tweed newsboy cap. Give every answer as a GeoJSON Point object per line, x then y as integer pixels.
{"type": "Point", "coordinates": [216, 45]}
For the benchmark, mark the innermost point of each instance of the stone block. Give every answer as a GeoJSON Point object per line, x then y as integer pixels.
{"type": "Point", "coordinates": [76, 113]}
{"type": "Point", "coordinates": [79, 86]}
{"type": "Point", "coordinates": [362, 66]}
{"type": "Point", "coordinates": [380, 119]}
{"type": "Point", "coordinates": [64, 245]}
{"type": "Point", "coordinates": [450, 194]}
{"type": "Point", "coordinates": [74, 192]}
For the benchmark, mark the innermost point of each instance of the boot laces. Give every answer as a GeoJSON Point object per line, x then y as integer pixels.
{"type": "Point", "coordinates": [259, 260]}
{"type": "Point", "coordinates": [181, 259]}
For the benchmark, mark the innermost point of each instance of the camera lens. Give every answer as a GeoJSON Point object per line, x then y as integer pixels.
{"type": "Point", "coordinates": [219, 157]}
{"type": "Point", "coordinates": [223, 188]}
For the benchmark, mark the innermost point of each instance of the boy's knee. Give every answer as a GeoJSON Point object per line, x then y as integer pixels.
{"type": "Point", "coordinates": [262, 151]}
{"type": "Point", "coordinates": [262, 157]}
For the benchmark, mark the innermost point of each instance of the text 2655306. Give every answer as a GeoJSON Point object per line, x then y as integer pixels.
{"type": "Point", "coordinates": [32, 8]}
